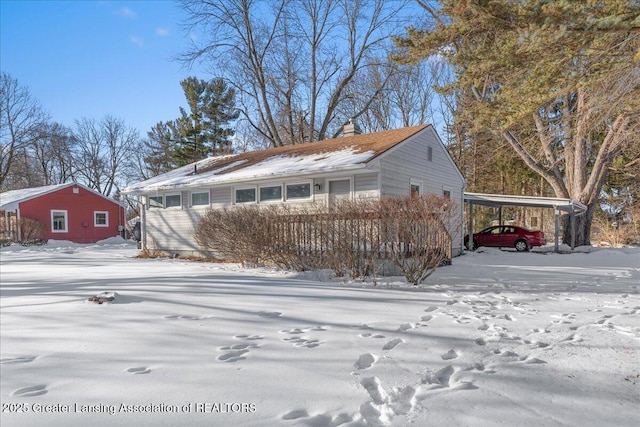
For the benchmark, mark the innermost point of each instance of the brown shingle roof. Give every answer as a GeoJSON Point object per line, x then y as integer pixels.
{"type": "Point", "coordinates": [378, 143]}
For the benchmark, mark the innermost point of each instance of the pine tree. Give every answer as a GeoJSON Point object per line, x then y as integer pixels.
{"type": "Point", "coordinates": [204, 129]}
{"type": "Point", "coordinates": [558, 81]}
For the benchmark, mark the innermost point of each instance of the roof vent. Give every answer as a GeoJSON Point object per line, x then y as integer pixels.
{"type": "Point", "coordinates": [351, 129]}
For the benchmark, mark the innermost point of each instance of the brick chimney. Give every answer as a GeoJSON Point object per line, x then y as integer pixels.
{"type": "Point", "coordinates": [351, 129]}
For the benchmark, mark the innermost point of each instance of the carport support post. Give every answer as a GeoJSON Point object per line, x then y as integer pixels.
{"type": "Point", "coordinates": [573, 230]}
{"type": "Point", "coordinates": [557, 232]}
{"type": "Point", "coordinates": [500, 215]}
{"type": "Point", "coordinates": [470, 228]}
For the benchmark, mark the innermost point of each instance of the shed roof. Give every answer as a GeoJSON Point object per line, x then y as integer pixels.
{"type": "Point", "coordinates": [10, 200]}
{"type": "Point", "coordinates": [350, 152]}
{"type": "Point", "coordinates": [567, 205]}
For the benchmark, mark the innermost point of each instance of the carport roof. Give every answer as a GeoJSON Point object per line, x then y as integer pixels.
{"type": "Point", "coordinates": [496, 200]}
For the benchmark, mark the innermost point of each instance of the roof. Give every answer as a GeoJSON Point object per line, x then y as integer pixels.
{"type": "Point", "coordinates": [350, 152]}
{"type": "Point", "coordinates": [567, 205]}
{"type": "Point", "coordinates": [9, 200]}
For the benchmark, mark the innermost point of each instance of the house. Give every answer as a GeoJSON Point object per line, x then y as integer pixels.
{"type": "Point", "coordinates": [66, 211]}
{"type": "Point", "coordinates": [406, 161]}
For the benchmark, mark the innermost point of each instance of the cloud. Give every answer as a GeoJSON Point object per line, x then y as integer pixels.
{"type": "Point", "coordinates": [137, 40]}
{"type": "Point", "coordinates": [126, 12]}
{"type": "Point", "coordinates": [162, 32]}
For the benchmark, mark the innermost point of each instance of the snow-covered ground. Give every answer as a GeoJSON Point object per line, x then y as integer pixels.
{"type": "Point", "coordinates": [498, 338]}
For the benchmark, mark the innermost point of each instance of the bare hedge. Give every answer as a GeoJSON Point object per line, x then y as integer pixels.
{"type": "Point", "coordinates": [352, 238]}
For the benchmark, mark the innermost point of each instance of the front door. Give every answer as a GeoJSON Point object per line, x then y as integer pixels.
{"type": "Point", "coordinates": [339, 190]}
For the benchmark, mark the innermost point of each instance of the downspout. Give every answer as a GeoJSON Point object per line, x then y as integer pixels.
{"type": "Point", "coordinates": [143, 223]}
{"type": "Point", "coordinates": [18, 230]}
{"type": "Point", "coordinates": [464, 187]}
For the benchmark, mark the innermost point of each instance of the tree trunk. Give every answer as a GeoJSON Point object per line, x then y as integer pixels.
{"type": "Point", "coordinates": [583, 227]}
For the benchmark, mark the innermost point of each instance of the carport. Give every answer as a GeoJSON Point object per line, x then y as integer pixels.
{"type": "Point", "coordinates": [570, 206]}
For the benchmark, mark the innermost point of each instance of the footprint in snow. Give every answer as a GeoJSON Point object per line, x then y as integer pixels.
{"type": "Point", "coordinates": [249, 337]}
{"type": "Point", "coordinates": [269, 314]}
{"type": "Point", "coordinates": [365, 361]}
{"type": "Point", "coordinates": [235, 352]}
{"type": "Point", "coordinates": [450, 355]}
{"type": "Point", "coordinates": [368, 335]}
{"type": "Point", "coordinates": [35, 390]}
{"type": "Point", "coordinates": [405, 327]}
{"type": "Point", "coordinates": [139, 370]}
{"type": "Point", "coordinates": [392, 344]}
{"type": "Point", "coordinates": [295, 414]}
{"type": "Point", "coordinates": [21, 359]}
{"type": "Point", "coordinates": [302, 342]}
{"type": "Point", "coordinates": [480, 341]}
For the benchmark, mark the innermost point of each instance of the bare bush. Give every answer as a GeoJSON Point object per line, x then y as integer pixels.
{"type": "Point", "coordinates": [32, 229]}
{"type": "Point", "coordinates": [353, 238]}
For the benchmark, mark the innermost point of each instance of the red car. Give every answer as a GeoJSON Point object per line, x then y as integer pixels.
{"type": "Point", "coordinates": [507, 236]}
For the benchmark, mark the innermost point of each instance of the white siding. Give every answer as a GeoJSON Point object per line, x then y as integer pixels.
{"type": "Point", "coordinates": [366, 186]}
{"type": "Point", "coordinates": [220, 197]}
{"type": "Point", "coordinates": [171, 229]}
{"type": "Point", "coordinates": [409, 161]}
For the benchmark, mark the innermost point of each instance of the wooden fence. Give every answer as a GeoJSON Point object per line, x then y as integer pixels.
{"type": "Point", "coordinates": [366, 234]}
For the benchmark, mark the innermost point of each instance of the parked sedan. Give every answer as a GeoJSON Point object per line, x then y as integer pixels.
{"type": "Point", "coordinates": [502, 236]}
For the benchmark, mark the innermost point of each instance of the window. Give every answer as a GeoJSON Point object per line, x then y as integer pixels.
{"type": "Point", "coordinates": [100, 219]}
{"type": "Point", "coordinates": [245, 195]}
{"type": "Point", "coordinates": [299, 191]}
{"type": "Point", "coordinates": [270, 193]}
{"type": "Point", "coordinates": [415, 187]}
{"type": "Point", "coordinates": [430, 154]}
{"type": "Point", "coordinates": [156, 202]}
{"type": "Point", "coordinates": [58, 221]}
{"type": "Point", "coordinates": [446, 194]}
{"type": "Point", "coordinates": [172, 201]}
{"type": "Point", "coordinates": [200, 199]}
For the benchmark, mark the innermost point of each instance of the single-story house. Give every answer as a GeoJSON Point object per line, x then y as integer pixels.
{"type": "Point", "coordinates": [68, 211]}
{"type": "Point", "coordinates": [395, 162]}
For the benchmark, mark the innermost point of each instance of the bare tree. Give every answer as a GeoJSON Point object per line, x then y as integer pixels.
{"type": "Point", "coordinates": [20, 118]}
{"type": "Point", "coordinates": [292, 62]}
{"type": "Point", "coordinates": [51, 151]}
{"type": "Point", "coordinates": [101, 152]}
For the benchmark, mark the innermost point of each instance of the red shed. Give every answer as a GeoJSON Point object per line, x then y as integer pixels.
{"type": "Point", "coordinates": [67, 212]}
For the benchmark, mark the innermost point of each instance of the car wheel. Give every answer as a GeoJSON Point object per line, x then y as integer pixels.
{"type": "Point", "coordinates": [521, 245]}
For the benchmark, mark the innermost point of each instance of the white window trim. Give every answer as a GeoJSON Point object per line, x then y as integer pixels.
{"type": "Point", "coordinates": [280, 200]}
{"type": "Point", "coordinates": [66, 221]}
{"type": "Point", "coordinates": [95, 219]}
{"type": "Point", "coordinates": [247, 187]}
{"type": "Point", "coordinates": [299, 199]}
{"type": "Point", "coordinates": [164, 199]}
{"type": "Point", "coordinates": [445, 188]}
{"type": "Point", "coordinates": [208, 193]}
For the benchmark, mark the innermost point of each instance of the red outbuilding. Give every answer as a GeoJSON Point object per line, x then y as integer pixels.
{"type": "Point", "coordinates": [60, 212]}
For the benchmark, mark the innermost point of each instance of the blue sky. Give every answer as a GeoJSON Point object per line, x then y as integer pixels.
{"type": "Point", "coordinates": [94, 58]}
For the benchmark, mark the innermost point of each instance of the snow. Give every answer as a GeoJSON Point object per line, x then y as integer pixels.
{"type": "Point", "coordinates": [9, 199]}
{"type": "Point", "coordinates": [497, 338]}
{"type": "Point", "coordinates": [275, 166]}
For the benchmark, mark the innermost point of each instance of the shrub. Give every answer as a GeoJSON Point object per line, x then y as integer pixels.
{"type": "Point", "coordinates": [351, 237]}
{"type": "Point", "coordinates": [32, 230]}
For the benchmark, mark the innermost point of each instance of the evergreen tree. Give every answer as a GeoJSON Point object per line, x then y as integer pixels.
{"type": "Point", "coordinates": [204, 129]}
{"type": "Point", "coordinates": [557, 81]}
